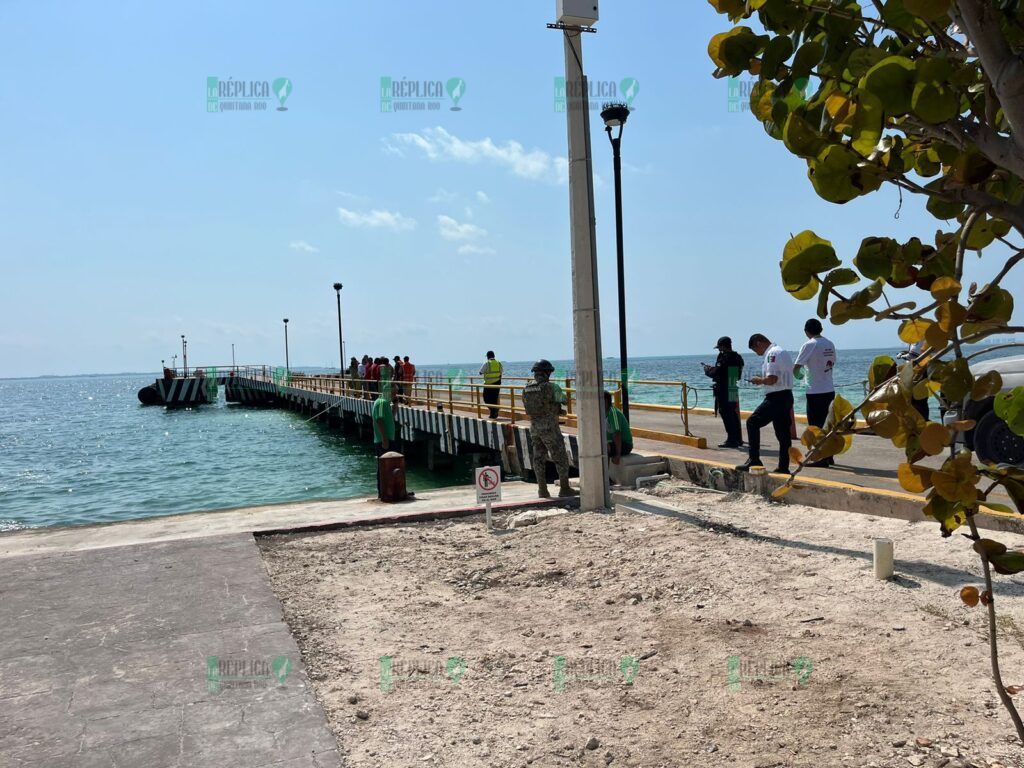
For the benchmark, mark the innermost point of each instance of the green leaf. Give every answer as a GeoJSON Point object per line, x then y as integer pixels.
{"type": "Point", "coordinates": [732, 51]}
{"type": "Point", "coordinates": [776, 53]}
{"type": "Point", "coordinates": [930, 10]}
{"type": "Point", "coordinates": [882, 369]}
{"type": "Point", "coordinates": [800, 138]}
{"type": "Point", "coordinates": [958, 380]}
{"type": "Point", "coordinates": [834, 174]}
{"type": "Point", "coordinates": [935, 103]}
{"type": "Point", "coordinates": [1009, 406]}
{"type": "Point", "coordinates": [892, 81]}
{"type": "Point", "coordinates": [875, 257]}
{"type": "Point", "coordinates": [804, 256]}
{"type": "Point", "coordinates": [867, 123]}
{"type": "Point", "coordinates": [1008, 563]}
{"type": "Point", "coordinates": [988, 385]}
{"type": "Point", "coordinates": [807, 57]}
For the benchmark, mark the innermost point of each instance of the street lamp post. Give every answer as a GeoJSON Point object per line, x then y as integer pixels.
{"type": "Point", "coordinates": [341, 338]}
{"type": "Point", "coordinates": [233, 366]}
{"type": "Point", "coordinates": [184, 356]}
{"type": "Point", "coordinates": [614, 116]}
{"type": "Point", "coordinates": [287, 364]}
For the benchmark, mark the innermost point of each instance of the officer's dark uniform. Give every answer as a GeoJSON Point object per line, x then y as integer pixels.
{"type": "Point", "coordinates": [725, 375]}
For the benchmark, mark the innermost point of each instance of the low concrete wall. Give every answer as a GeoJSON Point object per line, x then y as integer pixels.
{"type": "Point", "coordinates": [824, 494]}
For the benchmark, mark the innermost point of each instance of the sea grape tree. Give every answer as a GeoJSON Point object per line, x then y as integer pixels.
{"type": "Point", "coordinates": [928, 96]}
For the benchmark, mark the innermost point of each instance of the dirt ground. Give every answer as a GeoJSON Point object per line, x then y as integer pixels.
{"type": "Point", "coordinates": [727, 631]}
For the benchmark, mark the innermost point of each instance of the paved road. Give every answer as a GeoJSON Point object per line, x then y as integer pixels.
{"type": "Point", "coordinates": [104, 662]}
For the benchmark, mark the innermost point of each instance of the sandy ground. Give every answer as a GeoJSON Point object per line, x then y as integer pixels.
{"type": "Point", "coordinates": [733, 632]}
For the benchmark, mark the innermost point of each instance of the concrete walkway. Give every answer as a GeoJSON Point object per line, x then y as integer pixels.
{"type": "Point", "coordinates": [117, 657]}
{"type": "Point", "coordinates": [160, 644]}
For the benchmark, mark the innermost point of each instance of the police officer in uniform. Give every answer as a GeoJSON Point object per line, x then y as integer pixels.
{"type": "Point", "coordinates": [777, 407]}
{"type": "Point", "coordinates": [543, 400]}
{"type": "Point", "coordinates": [725, 374]}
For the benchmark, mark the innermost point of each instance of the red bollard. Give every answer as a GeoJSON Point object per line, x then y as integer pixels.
{"type": "Point", "coordinates": [391, 473]}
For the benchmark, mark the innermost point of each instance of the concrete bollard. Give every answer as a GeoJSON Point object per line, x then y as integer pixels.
{"type": "Point", "coordinates": [883, 559]}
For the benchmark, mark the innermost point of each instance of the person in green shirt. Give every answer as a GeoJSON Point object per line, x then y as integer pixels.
{"type": "Point", "coordinates": [383, 419]}
{"type": "Point", "coordinates": [620, 437]}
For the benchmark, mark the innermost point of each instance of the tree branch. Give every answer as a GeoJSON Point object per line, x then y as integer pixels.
{"type": "Point", "coordinates": [1004, 69]}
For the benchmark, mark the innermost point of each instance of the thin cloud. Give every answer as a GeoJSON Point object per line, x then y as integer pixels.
{"type": "Point", "coordinates": [452, 230]}
{"type": "Point", "coordinates": [442, 196]}
{"type": "Point", "coordinates": [476, 250]}
{"type": "Point", "coordinates": [440, 145]}
{"type": "Point", "coordinates": [302, 245]}
{"type": "Point", "coordinates": [351, 196]}
{"type": "Point", "coordinates": [376, 219]}
{"type": "Point", "coordinates": [482, 196]}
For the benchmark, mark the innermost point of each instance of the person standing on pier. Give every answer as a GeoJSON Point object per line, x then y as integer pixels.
{"type": "Point", "coordinates": [543, 401]}
{"type": "Point", "coordinates": [409, 371]}
{"type": "Point", "coordinates": [818, 354]}
{"type": "Point", "coordinates": [776, 408]}
{"type": "Point", "coordinates": [725, 375]}
{"type": "Point", "coordinates": [352, 374]}
{"type": "Point", "coordinates": [399, 373]}
{"type": "Point", "coordinates": [386, 375]}
{"type": "Point", "coordinates": [383, 418]}
{"type": "Point", "coordinates": [491, 370]}
{"type": "Point", "coordinates": [364, 374]}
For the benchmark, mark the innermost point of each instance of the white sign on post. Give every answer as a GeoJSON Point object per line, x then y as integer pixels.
{"type": "Point", "coordinates": [488, 488]}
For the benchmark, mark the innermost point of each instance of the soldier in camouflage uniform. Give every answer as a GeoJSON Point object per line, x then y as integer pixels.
{"type": "Point", "coordinates": [543, 400]}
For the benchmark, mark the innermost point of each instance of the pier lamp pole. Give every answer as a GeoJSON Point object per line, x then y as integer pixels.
{"type": "Point", "coordinates": [341, 338]}
{"type": "Point", "coordinates": [233, 366]}
{"type": "Point", "coordinates": [586, 312]}
{"type": "Point", "coordinates": [184, 356]}
{"type": "Point", "coordinates": [287, 364]}
{"type": "Point", "coordinates": [614, 116]}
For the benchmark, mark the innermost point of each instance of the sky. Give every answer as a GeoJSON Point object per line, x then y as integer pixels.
{"type": "Point", "coordinates": [130, 214]}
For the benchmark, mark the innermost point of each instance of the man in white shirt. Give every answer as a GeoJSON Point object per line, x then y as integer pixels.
{"type": "Point", "coordinates": [776, 408]}
{"type": "Point", "coordinates": [818, 355]}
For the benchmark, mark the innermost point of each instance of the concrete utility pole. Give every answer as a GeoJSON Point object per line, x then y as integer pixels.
{"type": "Point", "coordinates": [586, 315]}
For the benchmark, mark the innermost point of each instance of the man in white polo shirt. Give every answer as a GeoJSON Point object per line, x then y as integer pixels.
{"type": "Point", "coordinates": [818, 354]}
{"type": "Point", "coordinates": [776, 408]}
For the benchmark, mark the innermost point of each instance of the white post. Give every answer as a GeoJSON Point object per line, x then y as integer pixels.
{"type": "Point", "coordinates": [586, 316]}
{"type": "Point", "coordinates": [883, 559]}
{"type": "Point", "coordinates": [488, 516]}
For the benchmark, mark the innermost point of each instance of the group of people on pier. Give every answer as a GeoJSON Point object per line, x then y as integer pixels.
{"type": "Point", "coordinates": [377, 375]}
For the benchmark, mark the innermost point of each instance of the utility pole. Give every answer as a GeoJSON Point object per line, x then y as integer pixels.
{"type": "Point", "coordinates": [184, 356]}
{"type": "Point", "coordinates": [233, 366]}
{"type": "Point", "coordinates": [586, 316]}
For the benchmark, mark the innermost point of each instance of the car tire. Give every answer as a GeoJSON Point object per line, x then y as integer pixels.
{"type": "Point", "coordinates": [996, 443]}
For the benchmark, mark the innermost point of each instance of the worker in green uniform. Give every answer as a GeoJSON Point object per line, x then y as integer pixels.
{"type": "Point", "coordinates": [383, 418]}
{"type": "Point", "coordinates": [620, 436]}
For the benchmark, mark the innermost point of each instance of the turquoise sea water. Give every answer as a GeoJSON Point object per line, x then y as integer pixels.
{"type": "Point", "coordinates": [82, 450]}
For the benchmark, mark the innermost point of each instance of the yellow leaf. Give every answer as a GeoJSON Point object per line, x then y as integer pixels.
{"type": "Point", "coordinates": [946, 288]}
{"type": "Point", "coordinates": [810, 436]}
{"type": "Point", "coordinates": [913, 478]}
{"type": "Point", "coordinates": [913, 331]}
{"type": "Point", "coordinates": [794, 454]}
{"type": "Point", "coordinates": [934, 438]}
{"type": "Point", "coordinates": [965, 425]}
{"type": "Point", "coordinates": [781, 491]}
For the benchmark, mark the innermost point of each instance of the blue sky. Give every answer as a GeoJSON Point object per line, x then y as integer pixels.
{"type": "Point", "coordinates": [130, 215]}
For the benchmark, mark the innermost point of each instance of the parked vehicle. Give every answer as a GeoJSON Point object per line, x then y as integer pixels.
{"type": "Point", "coordinates": [991, 439]}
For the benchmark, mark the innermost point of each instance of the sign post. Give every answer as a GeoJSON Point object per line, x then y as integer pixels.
{"type": "Point", "coordinates": [488, 489]}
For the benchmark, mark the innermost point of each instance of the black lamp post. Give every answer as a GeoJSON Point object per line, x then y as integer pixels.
{"type": "Point", "coordinates": [341, 338]}
{"type": "Point", "coordinates": [614, 116]}
{"type": "Point", "coordinates": [184, 356]}
{"type": "Point", "coordinates": [287, 364]}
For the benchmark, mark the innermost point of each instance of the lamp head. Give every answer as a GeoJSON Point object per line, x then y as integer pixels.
{"type": "Point", "coordinates": [286, 321]}
{"type": "Point", "coordinates": [614, 114]}
{"type": "Point", "coordinates": [338, 286]}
